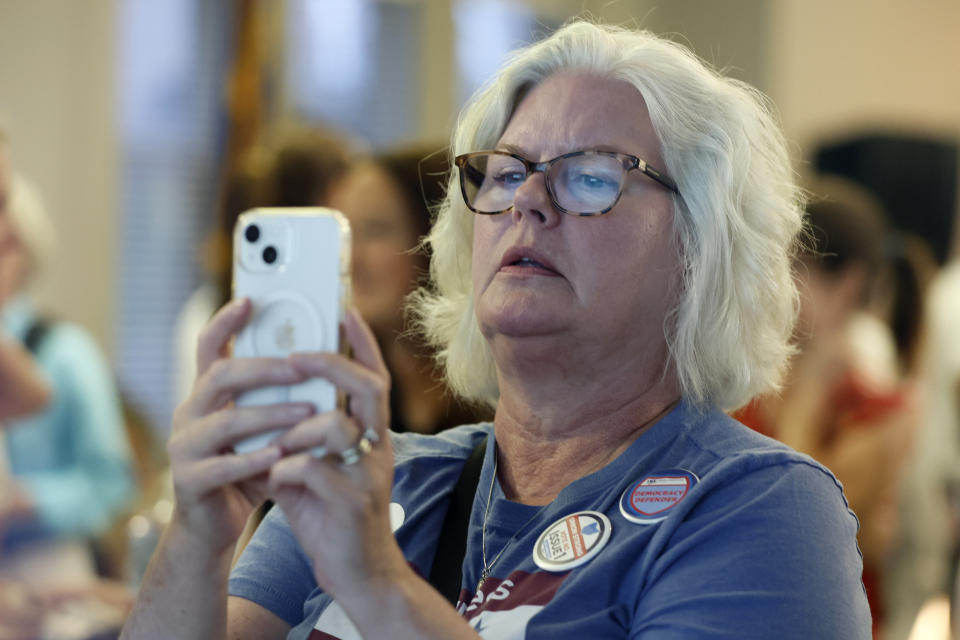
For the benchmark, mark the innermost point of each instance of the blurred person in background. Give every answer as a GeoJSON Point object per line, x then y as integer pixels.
{"type": "Point", "coordinates": [70, 464]}
{"type": "Point", "coordinates": [925, 567]}
{"type": "Point", "coordinates": [848, 400]}
{"type": "Point", "coordinates": [388, 200]}
{"type": "Point", "coordinates": [296, 167]}
{"type": "Point", "coordinates": [22, 390]}
{"type": "Point", "coordinates": [66, 472]}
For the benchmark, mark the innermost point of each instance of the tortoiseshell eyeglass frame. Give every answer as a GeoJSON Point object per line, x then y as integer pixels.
{"type": "Point", "coordinates": [627, 162]}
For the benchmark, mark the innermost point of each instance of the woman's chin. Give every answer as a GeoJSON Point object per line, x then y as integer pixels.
{"type": "Point", "coordinates": [525, 310]}
{"type": "Point", "coordinates": [519, 323]}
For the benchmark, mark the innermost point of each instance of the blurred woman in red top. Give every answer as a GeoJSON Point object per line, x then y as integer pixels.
{"type": "Point", "coordinates": [847, 401]}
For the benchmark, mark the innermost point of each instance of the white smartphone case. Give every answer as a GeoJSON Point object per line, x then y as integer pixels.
{"type": "Point", "coordinates": [294, 265]}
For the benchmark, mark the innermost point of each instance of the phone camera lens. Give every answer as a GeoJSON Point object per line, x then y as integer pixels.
{"type": "Point", "coordinates": [269, 255]}
{"type": "Point", "coordinates": [252, 233]}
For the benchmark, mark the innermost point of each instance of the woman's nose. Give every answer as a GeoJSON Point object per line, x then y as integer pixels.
{"type": "Point", "coordinates": [532, 199]}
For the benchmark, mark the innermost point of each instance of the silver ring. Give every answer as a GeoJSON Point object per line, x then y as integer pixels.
{"type": "Point", "coordinates": [371, 435]}
{"type": "Point", "coordinates": [350, 456]}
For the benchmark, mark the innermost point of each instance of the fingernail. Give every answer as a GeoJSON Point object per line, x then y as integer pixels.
{"type": "Point", "coordinates": [319, 452]}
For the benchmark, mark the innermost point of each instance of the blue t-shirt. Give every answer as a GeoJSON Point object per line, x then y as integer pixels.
{"type": "Point", "coordinates": [744, 538]}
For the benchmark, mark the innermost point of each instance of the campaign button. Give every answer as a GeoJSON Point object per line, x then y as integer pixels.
{"type": "Point", "coordinates": [651, 498]}
{"type": "Point", "coordinates": [572, 541]}
{"type": "Point", "coordinates": [397, 516]}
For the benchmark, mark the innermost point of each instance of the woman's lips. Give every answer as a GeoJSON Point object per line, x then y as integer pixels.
{"type": "Point", "coordinates": [526, 261]}
{"type": "Point", "coordinates": [527, 270]}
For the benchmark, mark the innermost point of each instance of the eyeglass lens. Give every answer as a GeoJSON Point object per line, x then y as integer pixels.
{"type": "Point", "coordinates": [579, 184]}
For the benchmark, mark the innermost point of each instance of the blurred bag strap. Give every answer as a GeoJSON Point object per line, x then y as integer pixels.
{"type": "Point", "coordinates": [446, 574]}
{"type": "Point", "coordinates": [36, 333]}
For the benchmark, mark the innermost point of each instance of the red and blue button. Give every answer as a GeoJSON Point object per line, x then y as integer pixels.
{"type": "Point", "coordinates": [650, 499]}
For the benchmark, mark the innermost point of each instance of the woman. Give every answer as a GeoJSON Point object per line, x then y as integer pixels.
{"type": "Point", "coordinates": [23, 390]}
{"type": "Point", "coordinates": [70, 463]}
{"type": "Point", "coordinates": [388, 200]}
{"type": "Point", "coordinates": [615, 499]}
{"type": "Point", "coordinates": [65, 470]}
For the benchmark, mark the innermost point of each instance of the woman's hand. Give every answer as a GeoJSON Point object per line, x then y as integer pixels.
{"type": "Point", "coordinates": [340, 511]}
{"type": "Point", "coordinates": [21, 611]}
{"type": "Point", "coordinates": [216, 489]}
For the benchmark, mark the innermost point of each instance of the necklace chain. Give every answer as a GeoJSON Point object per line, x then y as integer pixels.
{"type": "Point", "coordinates": [487, 567]}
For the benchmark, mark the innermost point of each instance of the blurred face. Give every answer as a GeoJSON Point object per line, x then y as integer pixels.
{"type": "Point", "coordinates": [383, 273]}
{"type": "Point", "coordinates": [607, 281]}
{"type": "Point", "coordinates": [13, 257]}
{"type": "Point", "coordinates": [827, 300]}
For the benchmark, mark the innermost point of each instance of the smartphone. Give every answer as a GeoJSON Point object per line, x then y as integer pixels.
{"type": "Point", "coordinates": [294, 265]}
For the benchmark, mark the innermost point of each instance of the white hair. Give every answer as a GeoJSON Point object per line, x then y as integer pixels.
{"type": "Point", "coordinates": [737, 220]}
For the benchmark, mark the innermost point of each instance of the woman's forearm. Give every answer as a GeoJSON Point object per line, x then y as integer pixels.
{"type": "Point", "coordinates": [184, 591]}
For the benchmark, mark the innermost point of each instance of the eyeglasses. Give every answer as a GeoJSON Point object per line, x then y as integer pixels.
{"type": "Point", "coordinates": [581, 183]}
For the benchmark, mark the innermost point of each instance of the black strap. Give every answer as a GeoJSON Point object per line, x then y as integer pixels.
{"type": "Point", "coordinates": [447, 571]}
{"type": "Point", "coordinates": [36, 333]}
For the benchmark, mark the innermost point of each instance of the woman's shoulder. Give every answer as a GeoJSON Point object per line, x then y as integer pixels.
{"type": "Point", "coordinates": [454, 444]}
{"type": "Point", "coordinates": [429, 465]}
{"type": "Point", "coordinates": [61, 339]}
{"type": "Point", "coordinates": [717, 432]}
{"type": "Point", "coordinates": [68, 353]}
{"type": "Point", "coordinates": [760, 515]}
{"type": "Point", "coordinates": [730, 452]}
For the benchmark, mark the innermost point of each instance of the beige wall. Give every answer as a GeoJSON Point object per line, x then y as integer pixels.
{"type": "Point", "coordinates": [854, 66]}
{"type": "Point", "coordinates": [438, 65]}
{"type": "Point", "coordinates": [57, 103]}
{"type": "Point", "coordinates": [836, 65]}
